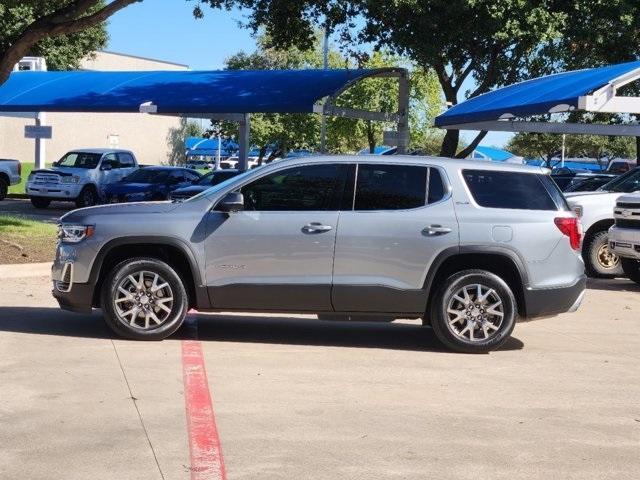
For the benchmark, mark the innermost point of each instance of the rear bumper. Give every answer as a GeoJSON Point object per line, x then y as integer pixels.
{"type": "Point", "coordinates": [78, 299]}
{"type": "Point", "coordinates": [546, 302]}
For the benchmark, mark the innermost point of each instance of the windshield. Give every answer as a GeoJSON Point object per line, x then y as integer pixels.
{"type": "Point", "coordinates": [80, 160]}
{"type": "Point", "coordinates": [627, 183]}
{"type": "Point", "coordinates": [220, 186]}
{"type": "Point", "coordinates": [147, 176]}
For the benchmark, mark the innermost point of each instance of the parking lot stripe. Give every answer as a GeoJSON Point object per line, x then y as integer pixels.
{"type": "Point", "coordinates": [204, 443]}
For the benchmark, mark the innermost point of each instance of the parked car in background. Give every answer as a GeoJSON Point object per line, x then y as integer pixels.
{"type": "Point", "coordinates": [624, 236]}
{"type": "Point", "coordinates": [570, 177]}
{"type": "Point", "coordinates": [468, 247]}
{"type": "Point", "coordinates": [596, 214]}
{"type": "Point", "coordinates": [10, 174]}
{"type": "Point", "coordinates": [588, 182]}
{"type": "Point", "coordinates": [80, 176]}
{"type": "Point", "coordinates": [150, 184]}
{"type": "Point", "coordinates": [206, 182]}
{"type": "Point", "coordinates": [200, 164]}
{"type": "Point", "coordinates": [619, 166]}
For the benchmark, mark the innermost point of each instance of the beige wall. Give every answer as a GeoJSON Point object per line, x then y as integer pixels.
{"type": "Point", "coordinates": [144, 134]}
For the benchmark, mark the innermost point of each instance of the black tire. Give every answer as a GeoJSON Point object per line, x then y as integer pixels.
{"type": "Point", "coordinates": [631, 268]}
{"type": "Point", "coordinates": [599, 262]}
{"type": "Point", "coordinates": [445, 330]}
{"type": "Point", "coordinates": [120, 324]}
{"type": "Point", "coordinates": [88, 197]}
{"type": "Point", "coordinates": [40, 202]}
{"type": "Point", "coordinates": [4, 189]}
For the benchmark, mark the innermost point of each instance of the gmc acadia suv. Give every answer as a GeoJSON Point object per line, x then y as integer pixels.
{"type": "Point", "coordinates": [467, 246]}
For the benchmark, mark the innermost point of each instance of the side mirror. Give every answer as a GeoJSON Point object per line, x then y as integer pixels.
{"type": "Point", "coordinates": [106, 167]}
{"type": "Point", "coordinates": [232, 202]}
{"type": "Point", "coordinates": [55, 164]}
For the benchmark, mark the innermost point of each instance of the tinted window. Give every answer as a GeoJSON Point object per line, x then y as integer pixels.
{"type": "Point", "coordinates": [313, 187]}
{"type": "Point", "coordinates": [390, 187]}
{"type": "Point", "coordinates": [522, 191]}
{"type": "Point", "coordinates": [191, 176]}
{"type": "Point", "coordinates": [111, 159]}
{"type": "Point", "coordinates": [126, 160]}
{"type": "Point", "coordinates": [147, 175]}
{"type": "Point", "coordinates": [627, 183]}
{"type": "Point", "coordinates": [214, 178]}
{"type": "Point", "coordinates": [436, 186]}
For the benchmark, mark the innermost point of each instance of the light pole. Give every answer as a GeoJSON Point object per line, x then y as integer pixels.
{"type": "Point", "coordinates": [325, 62]}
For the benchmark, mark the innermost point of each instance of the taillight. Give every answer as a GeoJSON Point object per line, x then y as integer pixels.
{"type": "Point", "coordinates": [570, 226]}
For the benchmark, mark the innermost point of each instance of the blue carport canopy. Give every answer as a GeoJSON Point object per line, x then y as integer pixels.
{"type": "Point", "coordinates": [174, 92]}
{"type": "Point", "coordinates": [591, 90]}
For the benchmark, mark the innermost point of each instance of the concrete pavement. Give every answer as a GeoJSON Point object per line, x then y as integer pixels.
{"type": "Point", "coordinates": [299, 398]}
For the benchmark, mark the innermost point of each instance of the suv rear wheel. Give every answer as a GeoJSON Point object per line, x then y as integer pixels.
{"type": "Point", "coordinates": [474, 311]}
{"type": "Point", "coordinates": [600, 262]}
{"type": "Point", "coordinates": [631, 268]}
{"type": "Point", "coordinates": [144, 299]}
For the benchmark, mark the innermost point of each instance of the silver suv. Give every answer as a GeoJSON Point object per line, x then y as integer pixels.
{"type": "Point", "coordinates": [467, 246]}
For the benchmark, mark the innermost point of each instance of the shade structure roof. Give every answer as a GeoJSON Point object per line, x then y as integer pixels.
{"type": "Point", "coordinates": [175, 92]}
{"type": "Point", "coordinates": [561, 92]}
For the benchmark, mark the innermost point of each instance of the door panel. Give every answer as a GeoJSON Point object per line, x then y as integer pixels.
{"type": "Point", "coordinates": [382, 256]}
{"type": "Point", "coordinates": [277, 254]}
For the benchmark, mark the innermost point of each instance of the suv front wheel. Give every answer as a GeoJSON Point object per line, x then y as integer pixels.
{"type": "Point", "coordinates": [474, 311]}
{"type": "Point", "coordinates": [144, 299]}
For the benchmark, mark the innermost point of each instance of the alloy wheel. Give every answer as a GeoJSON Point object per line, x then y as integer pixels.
{"type": "Point", "coordinates": [606, 258]}
{"type": "Point", "coordinates": [475, 313]}
{"type": "Point", "coordinates": [143, 300]}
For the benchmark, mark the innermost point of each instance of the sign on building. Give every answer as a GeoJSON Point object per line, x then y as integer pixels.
{"type": "Point", "coordinates": [38, 131]}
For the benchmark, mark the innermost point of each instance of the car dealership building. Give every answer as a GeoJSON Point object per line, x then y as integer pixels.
{"type": "Point", "coordinates": [144, 134]}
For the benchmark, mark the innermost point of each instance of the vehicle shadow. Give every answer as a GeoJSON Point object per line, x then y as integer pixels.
{"type": "Point", "coordinates": [612, 284]}
{"type": "Point", "coordinates": [252, 328]}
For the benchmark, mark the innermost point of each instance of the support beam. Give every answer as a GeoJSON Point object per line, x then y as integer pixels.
{"type": "Point", "coordinates": [329, 109]}
{"type": "Point", "coordinates": [625, 130]}
{"type": "Point", "coordinates": [403, 114]}
{"type": "Point", "coordinates": [40, 145]}
{"type": "Point", "coordinates": [244, 141]}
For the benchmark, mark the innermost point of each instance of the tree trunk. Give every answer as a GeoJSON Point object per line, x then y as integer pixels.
{"type": "Point", "coordinates": [450, 143]}
{"type": "Point", "coordinates": [371, 138]}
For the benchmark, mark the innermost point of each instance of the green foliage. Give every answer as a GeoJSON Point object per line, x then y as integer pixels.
{"type": "Point", "coordinates": [280, 133]}
{"type": "Point", "coordinates": [61, 52]}
{"type": "Point", "coordinates": [493, 42]}
{"type": "Point", "coordinates": [176, 137]}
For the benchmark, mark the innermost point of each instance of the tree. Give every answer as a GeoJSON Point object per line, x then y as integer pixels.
{"type": "Point", "coordinates": [472, 45]}
{"type": "Point", "coordinates": [63, 31]}
{"type": "Point", "coordinates": [176, 137]}
{"type": "Point", "coordinates": [280, 133]}
{"type": "Point", "coordinates": [485, 40]}
{"type": "Point", "coordinates": [536, 145]}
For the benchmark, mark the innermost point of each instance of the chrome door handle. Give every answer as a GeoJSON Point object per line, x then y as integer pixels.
{"type": "Point", "coordinates": [433, 230]}
{"type": "Point", "coordinates": [316, 227]}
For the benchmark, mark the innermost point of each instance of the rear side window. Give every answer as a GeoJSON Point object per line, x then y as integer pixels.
{"type": "Point", "coordinates": [514, 190]}
{"type": "Point", "coordinates": [390, 187]}
{"type": "Point", "coordinates": [436, 190]}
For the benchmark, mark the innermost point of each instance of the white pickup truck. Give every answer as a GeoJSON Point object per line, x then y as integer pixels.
{"type": "Point", "coordinates": [10, 171]}
{"type": "Point", "coordinates": [80, 176]}
{"type": "Point", "coordinates": [624, 236]}
{"type": "Point", "coordinates": [595, 210]}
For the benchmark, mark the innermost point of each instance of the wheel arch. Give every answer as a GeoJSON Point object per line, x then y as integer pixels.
{"type": "Point", "coordinates": [601, 225]}
{"type": "Point", "coordinates": [170, 250]}
{"type": "Point", "coordinates": [5, 177]}
{"type": "Point", "coordinates": [501, 261]}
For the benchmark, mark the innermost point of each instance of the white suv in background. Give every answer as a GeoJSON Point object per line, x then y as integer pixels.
{"type": "Point", "coordinates": [80, 176]}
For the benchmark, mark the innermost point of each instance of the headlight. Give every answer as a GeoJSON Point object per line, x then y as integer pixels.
{"type": "Point", "coordinates": [74, 233]}
{"type": "Point", "coordinates": [71, 179]}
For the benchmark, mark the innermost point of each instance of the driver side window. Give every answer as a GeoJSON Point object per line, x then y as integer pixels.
{"type": "Point", "coordinates": [307, 187]}
{"type": "Point", "coordinates": [110, 159]}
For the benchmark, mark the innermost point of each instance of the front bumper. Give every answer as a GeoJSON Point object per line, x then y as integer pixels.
{"type": "Point", "coordinates": [78, 299]}
{"type": "Point", "coordinates": [60, 191]}
{"type": "Point", "coordinates": [546, 302]}
{"type": "Point", "coordinates": [625, 242]}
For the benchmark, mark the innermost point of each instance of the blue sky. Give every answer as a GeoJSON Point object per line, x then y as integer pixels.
{"type": "Point", "coordinates": [166, 30]}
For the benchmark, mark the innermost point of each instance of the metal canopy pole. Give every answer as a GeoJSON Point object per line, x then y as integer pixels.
{"type": "Point", "coordinates": [243, 154]}
{"type": "Point", "coordinates": [403, 113]}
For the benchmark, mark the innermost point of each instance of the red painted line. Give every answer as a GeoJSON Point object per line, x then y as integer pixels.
{"type": "Point", "coordinates": [204, 443]}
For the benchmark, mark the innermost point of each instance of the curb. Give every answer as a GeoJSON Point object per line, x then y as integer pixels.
{"type": "Point", "coordinates": [25, 270]}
